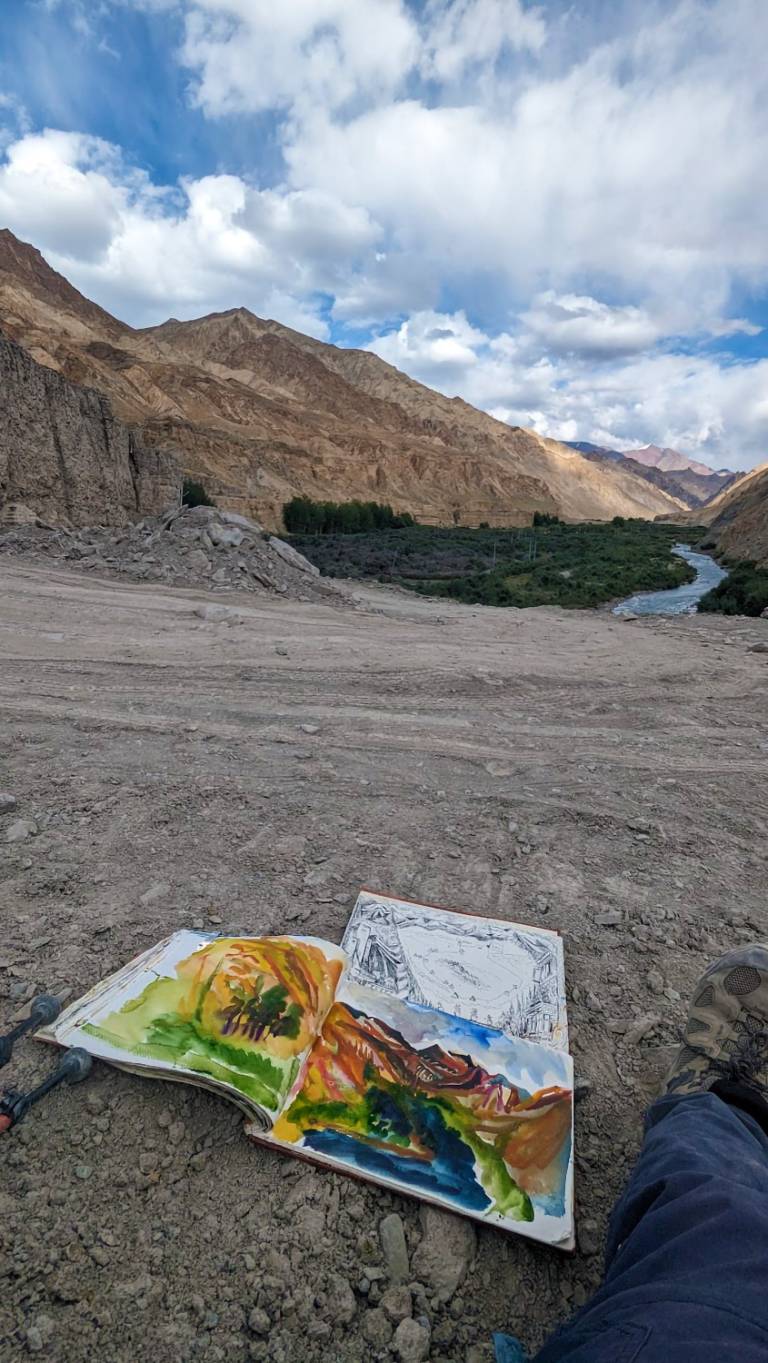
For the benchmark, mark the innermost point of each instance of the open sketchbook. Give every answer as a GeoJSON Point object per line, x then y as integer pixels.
{"type": "Point", "coordinates": [341, 1056]}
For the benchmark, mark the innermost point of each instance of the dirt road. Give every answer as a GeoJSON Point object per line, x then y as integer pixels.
{"type": "Point", "coordinates": [601, 777]}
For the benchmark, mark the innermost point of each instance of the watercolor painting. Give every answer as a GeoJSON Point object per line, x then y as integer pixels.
{"type": "Point", "coordinates": [439, 1107]}
{"type": "Point", "coordinates": [242, 1011]}
{"type": "Point", "coordinates": [496, 973]}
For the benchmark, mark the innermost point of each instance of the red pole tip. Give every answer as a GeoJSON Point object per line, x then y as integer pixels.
{"type": "Point", "coordinates": [5, 1123]}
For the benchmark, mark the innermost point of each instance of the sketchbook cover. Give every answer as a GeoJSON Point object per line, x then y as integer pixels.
{"type": "Point", "coordinates": [441, 1108]}
{"type": "Point", "coordinates": [501, 974]}
{"type": "Point", "coordinates": [236, 1014]}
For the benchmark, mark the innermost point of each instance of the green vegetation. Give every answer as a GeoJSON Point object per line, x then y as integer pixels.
{"type": "Point", "coordinates": [194, 494]}
{"type": "Point", "coordinates": [743, 592]}
{"type": "Point", "coordinates": [302, 516]}
{"type": "Point", "coordinates": [547, 564]}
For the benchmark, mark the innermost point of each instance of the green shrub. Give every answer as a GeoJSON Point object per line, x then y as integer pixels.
{"type": "Point", "coordinates": [303, 516]}
{"type": "Point", "coordinates": [194, 494]}
{"type": "Point", "coordinates": [743, 592]}
{"type": "Point", "coordinates": [556, 564]}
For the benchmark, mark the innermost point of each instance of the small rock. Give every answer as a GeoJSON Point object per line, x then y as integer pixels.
{"type": "Point", "coordinates": [216, 614]}
{"type": "Point", "coordinates": [642, 1028]}
{"type": "Point", "coordinates": [310, 728]}
{"type": "Point", "coordinates": [281, 651]}
{"type": "Point", "coordinates": [20, 830]}
{"type": "Point", "coordinates": [376, 1328]}
{"type": "Point", "coordinates": [589, 1237]}
{"type": "Point", "coordinates": [396, 1302]}
{"type": "Point", "coordinates": [225, 536]}
{"type": "Point", "coordinates": [341, 1305]}
{"type": "Point", "coordinates": [581, 1089]}
{"type": "Point", "coordinates": [627, 615]}
{"type": "Point", "coordinates": [395, 1250]}
{"type": "Point", "coordinates": [7, 802]}
{"type": "Point", "coordinates": [83, 1172]}
{"type": "Point", "coordinates": [446, 1251]}
{"type": "Point", "coordinates": [610, 919]}
{"type": "Point", "coordinates": [198, 561]}
{"type": "Point", "coordinates": [758, 648]}
{"type": "Point", "coordinates": [35, 1342]}
{"type": "Point", "coordinates": [259, 1322]}
{"type": "Point", "coordinates": [411, 1341]}
{"type": "Point", "coordinates": [655, 981]}
{"type": "Point", "coordinates": [158, 890]}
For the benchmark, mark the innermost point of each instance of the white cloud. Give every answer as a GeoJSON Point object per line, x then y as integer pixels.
{"type": "Point", "coordinates": [708, 410]}
{"type": "Point", "coordinates": [577, 324]}
{"type": "Point", "coordinates": [589, 177]}
{"type": "Point", "coordinates": [253, 54]}
{"type": "Point", "coordinates": [462, 34]}
{"type": "Point", "coordinates": [216, 243]}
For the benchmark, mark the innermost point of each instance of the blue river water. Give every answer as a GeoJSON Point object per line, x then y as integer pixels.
{"type": "Point", "coordinates": [679, 600]}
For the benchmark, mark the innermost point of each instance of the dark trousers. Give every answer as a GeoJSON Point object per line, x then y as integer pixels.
{"type": "Point", "coordinates": [687, 1259]}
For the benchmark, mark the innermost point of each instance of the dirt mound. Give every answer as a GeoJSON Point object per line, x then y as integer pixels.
{"type": "Point", "coordinates": [195, 547]}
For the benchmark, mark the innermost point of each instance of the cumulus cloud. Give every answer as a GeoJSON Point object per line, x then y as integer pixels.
{"type": "Point", "coordinates": [213, 242]}
{"type": "Point", "coordinates": [575, 324]}
{"type": "Point", "coordinates": [251, 55]}
{"type": "Point", "coordinates": [714, 411]}
{"type": "Point", "coordinates": [545, 209]}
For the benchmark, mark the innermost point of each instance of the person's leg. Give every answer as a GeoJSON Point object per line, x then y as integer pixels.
{"type": "Point", "coordinates": [687, 1273]}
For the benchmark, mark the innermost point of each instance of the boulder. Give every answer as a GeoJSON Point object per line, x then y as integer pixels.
{"type": "Point", "coordinates": [292, 556]}
{"type": "Point", "coordinates": [225, 536]}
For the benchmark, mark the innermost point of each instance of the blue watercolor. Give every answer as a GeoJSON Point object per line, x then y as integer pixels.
{"type": "Point", "coordinates": [450, 1174]}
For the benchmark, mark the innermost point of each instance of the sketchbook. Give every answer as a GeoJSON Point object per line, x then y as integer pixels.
{"type": "Point", "coordinates": [425, 1054]}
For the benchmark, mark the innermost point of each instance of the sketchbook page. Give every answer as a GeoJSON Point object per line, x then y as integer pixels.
{"type": "Point", "coordinates": [237, 1013]}
{"type": "Point", "coordinates": [501, 974]}
{"type": "Point", "coordinates": [439, 1107]}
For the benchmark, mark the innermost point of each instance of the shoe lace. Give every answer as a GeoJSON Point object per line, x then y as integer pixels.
{"type": "Point", "coordinates": [743, 1065]}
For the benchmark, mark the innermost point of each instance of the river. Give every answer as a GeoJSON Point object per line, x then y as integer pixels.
{"type": "Point", "coordinates": [678, 600]}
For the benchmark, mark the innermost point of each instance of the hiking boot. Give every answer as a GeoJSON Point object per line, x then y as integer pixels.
{"type": "Point", "coordinates": [726, 1035]}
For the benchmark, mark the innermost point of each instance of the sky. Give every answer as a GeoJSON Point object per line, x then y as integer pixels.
{"type": "Point", "coordinates": [557, 211]}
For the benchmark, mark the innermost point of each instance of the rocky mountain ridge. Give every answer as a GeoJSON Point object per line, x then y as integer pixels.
{"type": "Point", "coordinates": [692, 483]}
{"type": "Point", "coordinates": [65, 455]}
{"type": "Point", "coordinates": [260, 413]}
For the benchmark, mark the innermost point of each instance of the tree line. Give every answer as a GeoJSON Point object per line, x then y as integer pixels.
{"type": "Point", "coordinates": [303, 516]}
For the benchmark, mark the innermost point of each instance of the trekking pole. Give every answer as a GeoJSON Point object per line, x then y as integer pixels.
{"type": "Point", "coordinates": [13, 1106]}
{"type": "Point", "coordinates": [45, 1008]}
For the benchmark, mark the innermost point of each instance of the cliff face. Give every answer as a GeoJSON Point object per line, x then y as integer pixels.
{"type": "Point", "coordinates": [260, 413]}
{"type": "Point", "coordinates": [741, 518]}
{"type": "Point", "coordinates": [64, 454]}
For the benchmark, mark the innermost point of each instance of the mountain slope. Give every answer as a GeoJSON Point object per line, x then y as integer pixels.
{"type": "Point", "coordinates": [260, 413]}
{"type": "Point", "coordinates": [64, 455]}
{"type": "Point", "coordinates": [690, 483]}
{"type": "Point", "coordinates": [740, 519]}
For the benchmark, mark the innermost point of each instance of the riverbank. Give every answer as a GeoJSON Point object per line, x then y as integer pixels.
{"type": "Point", "coordinates": [682, 600]}
{"type": "Point", "coordinates": [574, 566]}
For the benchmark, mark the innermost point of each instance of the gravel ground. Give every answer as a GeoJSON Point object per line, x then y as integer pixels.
{"type": "Point", "coordinates": [563, 768]}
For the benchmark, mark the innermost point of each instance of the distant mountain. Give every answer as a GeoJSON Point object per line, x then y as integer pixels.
{"type": "Point", "coordinates": [668, 460]}
{"type": "Point", "coordinates": [260, 413]}
{"type": "Point", "coordinates": [685, 479]}
{"type": "Point", "coordinates": [585, 447]}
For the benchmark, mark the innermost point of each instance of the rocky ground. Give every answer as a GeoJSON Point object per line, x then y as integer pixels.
{"type": "Point", "coordinates": [168, 767]}
{"type": "Point", "coordinates": [191, 547]}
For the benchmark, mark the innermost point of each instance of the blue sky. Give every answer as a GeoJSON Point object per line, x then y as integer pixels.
{"type": "Point", "coordinates": [556, 211]}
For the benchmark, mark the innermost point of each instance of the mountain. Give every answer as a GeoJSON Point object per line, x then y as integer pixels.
{"type": "Point", "coordinates": [739, 517]}
{"type": "Point", "coordinates": [689, 482]}
{"type": "Point", "coordinates": [64, 455]}
{"type": "Point", "coordinates": [259, 413]}
{"type": "Point", "coordinates": [586, 447]}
